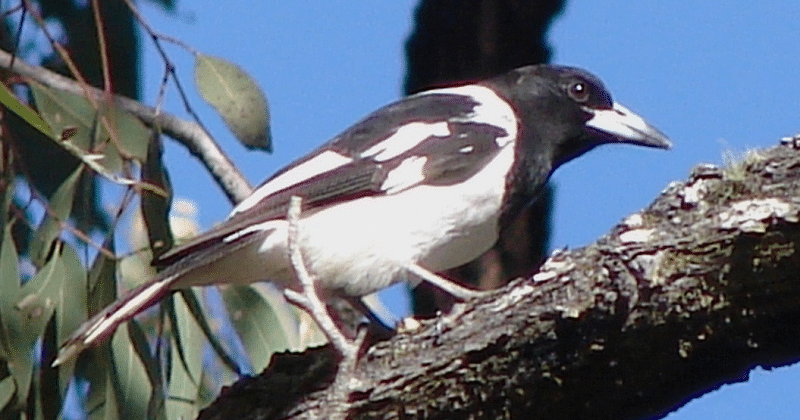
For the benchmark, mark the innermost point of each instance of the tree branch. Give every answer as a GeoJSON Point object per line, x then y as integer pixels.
{"type": "Point", "coordinates": [189, 134]}
{"type": "Point", "coordinates": [675, 301]}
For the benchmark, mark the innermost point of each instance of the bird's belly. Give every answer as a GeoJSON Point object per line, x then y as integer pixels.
{"type": "Point", "coordinates": [365, 245]}
{"type": "Point", "coordinates": [357, 252]}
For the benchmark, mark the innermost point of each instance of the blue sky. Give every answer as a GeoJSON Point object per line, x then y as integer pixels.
{"type": "Point", "coordinates": [713, 79]}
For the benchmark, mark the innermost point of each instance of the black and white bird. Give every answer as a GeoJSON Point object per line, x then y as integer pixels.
{"type": "Point", "coordinates": [419, 186]}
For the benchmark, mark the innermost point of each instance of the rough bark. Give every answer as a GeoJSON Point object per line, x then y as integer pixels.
{"type": "Point", "coordinates": [689, 294]}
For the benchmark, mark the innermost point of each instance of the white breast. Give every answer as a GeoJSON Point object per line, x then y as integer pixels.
{"type": "Point", "coordinates": [363, 246]}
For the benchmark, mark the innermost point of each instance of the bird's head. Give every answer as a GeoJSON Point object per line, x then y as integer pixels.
{"type": "Point", "coordinates": [565, 112]}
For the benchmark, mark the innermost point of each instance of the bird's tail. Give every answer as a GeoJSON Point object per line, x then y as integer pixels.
{"type": "Point", "coordinates": [105, 322]}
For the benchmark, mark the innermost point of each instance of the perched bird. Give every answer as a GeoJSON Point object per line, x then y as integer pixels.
{"type": "Point", "coordinates": [419, 186]}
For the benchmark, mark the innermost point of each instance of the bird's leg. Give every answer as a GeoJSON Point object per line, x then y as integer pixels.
{"type": "Point", "coordinates": [453, 289]}
{"type": "Point", "coordinates": [308, 299]}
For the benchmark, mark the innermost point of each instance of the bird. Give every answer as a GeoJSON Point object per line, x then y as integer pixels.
{"type": "Point", "coordinates": [419, 186]}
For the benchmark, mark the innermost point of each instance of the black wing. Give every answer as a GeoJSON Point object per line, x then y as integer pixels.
{"type": "Point", "coordinates": [454, 148]}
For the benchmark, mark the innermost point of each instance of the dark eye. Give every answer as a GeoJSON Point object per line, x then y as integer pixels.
{"type": "Point", "coordinates": [578, 91]}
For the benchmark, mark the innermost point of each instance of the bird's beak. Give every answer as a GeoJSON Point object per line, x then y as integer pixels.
{"type": "Point", "coordinates": [620, 125]}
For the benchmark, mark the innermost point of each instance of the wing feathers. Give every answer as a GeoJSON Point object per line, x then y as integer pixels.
{"type": "Point", "coordinates": [440, 137]}
{"type": "Point", "coordinates": [103, 325]}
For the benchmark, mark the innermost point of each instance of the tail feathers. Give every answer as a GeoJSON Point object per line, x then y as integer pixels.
{"type": "Point", "coordinates": [105, 322]}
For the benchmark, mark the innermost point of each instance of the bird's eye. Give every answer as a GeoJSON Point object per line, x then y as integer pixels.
{"type": "Point", "coordinates": [578, 91]}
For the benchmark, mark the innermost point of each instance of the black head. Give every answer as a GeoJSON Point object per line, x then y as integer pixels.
{"type": "Point", "coordinates": [565, 112]}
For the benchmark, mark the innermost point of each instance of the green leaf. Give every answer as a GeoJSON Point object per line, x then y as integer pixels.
{"type": "Point", "coordinates": [7, 390]}
{"type": "Point", "coordinates": [237, 98]}
{"type": "Point", "coordinates": [257, 324]}
{"type": "Point", "coordinates": [73, 116]}
{"type": "Point", "coordinates": [71, 296]}
{"type": "Point", "coordinates": [50, 228]}
{"type": "Point", "coordinates": [23, 319]}
{"type": "Point", "coordinates": [155, 207]}
{"type": "Point", "coordinates": [155, 406]}
{"type": "Point", "coordinates": [187, 339]}
{"type": "Point", "coordinates": [39, 296]}
{"type": "Point", "coordinates": [184, 383]}
{"type": "Point", "coordinates": [48, 388]}
{"type": "Point", "coordinates": [9, 289]}
{"type": "Point", "coordinates": [102, 281]}
{"type": "Point", "coordinates": [93, 366]}
{"type": "Point", "coordinates": [201, 317]}
{"type": "Point", "coordinates": [70, 305]}
{"type": "Point", "coordinates": [110, 407]}
{"type": "Point", "coordinates": [30, 116]}
{"type": "Point", "coordinates": [288, 320]}
{"type": "Point", "coordinates": [131, 383]}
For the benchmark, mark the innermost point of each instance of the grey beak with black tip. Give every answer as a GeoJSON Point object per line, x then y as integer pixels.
{"type": "Point", "coordinates": [620, 125]}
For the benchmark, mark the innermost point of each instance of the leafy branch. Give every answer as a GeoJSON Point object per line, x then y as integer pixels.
{"type": "Point", "coordinates": [189, 134]}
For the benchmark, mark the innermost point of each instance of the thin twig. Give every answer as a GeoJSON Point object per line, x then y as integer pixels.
{"type": "Point", "coordinates": [19, 31]}
{"type": "Point", "coordinates": [103, 47]}
{"type": "Point", "coordinates": [19, 215]}
{"type": "Point", "coordinates": [156, 37]}
{"type": "Point", "coordinates": [12, 10]}
{"type": "Point", "coordinates": [189, 134]}
{"type": "Point", "coordinates": [309, 299]}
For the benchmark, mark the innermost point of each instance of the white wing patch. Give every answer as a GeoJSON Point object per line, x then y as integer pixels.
{"type": "Point", "coordinates": [264, 226]}
{"type": "Point", "coordinates": [408, 173]}
{"type": "Point", "coordinates": [405, 139]}
{"type": "Point", "coordinates": [491, 109]}
{"type": "Point", "coordinates": [324, 162]}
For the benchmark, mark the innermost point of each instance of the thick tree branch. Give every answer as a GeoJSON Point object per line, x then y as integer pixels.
{"type": "Point", "coordinates": [687, 295]}
{"type": "Point", "coordinates": [189, 134]}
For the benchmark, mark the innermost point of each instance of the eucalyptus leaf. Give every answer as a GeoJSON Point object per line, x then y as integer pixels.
{"type": "Point", "coordinates": [184, 382]}
{"type": "Point", "coordinates": [15, 340]}
{"type": "Point", "coordinates": [110, 408]}
{"type": "Point", "coordinates": [30, 116]}
{"type": "Point", "coordinates": [25, 311]}
{"type": "Point", "coordinates": [60, 206]}
{"type": "Point", "coordinates": [47, 385]}
{"type": "Point", "coordinates": [102, 280]}
{"type": "Point", "coordinates": [155, 405]}
{"type": "Point", "coordinates": [201, 316]}
{"type": "Point", "coordinates": [9, 288]}
{"type": "Point", "coordinates": [155, 207]}
{"type": "Point", "coordinates": [94, 367]}
{"type": "Point", "coordinates": [7, 390]}
{"type": "Point", "coordinates": [71, 296]}
{"type": "Point", "coordinates": [76, 122]}
{"type": "Point", "coordinates": [237, 98]}
{"type": "Point", "coordinates": [256, 323]}
{"type": "Point", "coordinates": [39, 296]}
{"type": "Point", "coordinates": [70, 305]}
{"type": "Point", "coordinates": [288, 320]}
{"type": "Point", "coordinates": [131, 383]}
